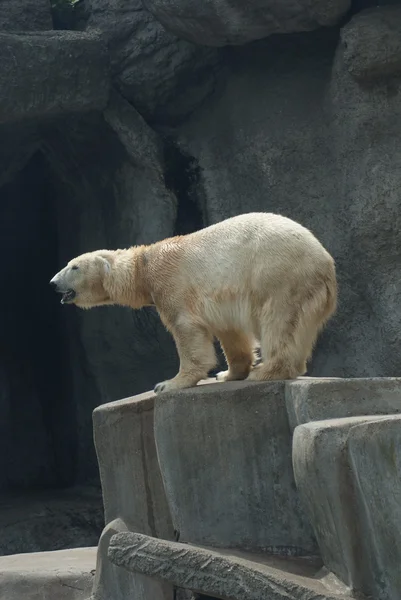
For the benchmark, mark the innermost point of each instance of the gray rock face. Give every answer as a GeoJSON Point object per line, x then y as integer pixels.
{"type": "Point", "coordinates": [346, 472]}
{"type": "Point", "coordinates": [23, 15]}
{"type": "Point", "coordinates": [317, 399]}
{"type": "Point", "coordinates": [219, 22]}
{"type": "Point", "coordinates": [220, 458]}
{"type": "Point", "coordinates": [164, 77]}
{"type": "Point", "coordinates": [133, 493]}
{"type": "Point", "coordinates": [225, 456]}
{"type": "Point", "coordinates": [372, 44]}
{"type": "Point", "coordinates": [52, 73]}
{"type": "Point", "coordinates": [293, 132]}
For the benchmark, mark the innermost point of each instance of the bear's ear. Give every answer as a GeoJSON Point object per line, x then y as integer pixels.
{"type": "Point", "coordinates": [105, 264]}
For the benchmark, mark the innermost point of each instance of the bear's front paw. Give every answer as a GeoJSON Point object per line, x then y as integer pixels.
{"type": "Point", "coordinates": [161, 387]}
{"type": "Point", "coordinates": [172, 384]}
{"type": "Point", "coordinates": [167, 386]}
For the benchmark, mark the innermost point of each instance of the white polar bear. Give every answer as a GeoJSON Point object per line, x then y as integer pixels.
{"type": "Point", "coordinates": [256, 277]}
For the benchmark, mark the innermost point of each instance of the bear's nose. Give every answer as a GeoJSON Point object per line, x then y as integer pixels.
{"type": "Point", "coordinates": [53, 283]}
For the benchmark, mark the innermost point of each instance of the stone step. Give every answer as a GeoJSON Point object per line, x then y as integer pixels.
{"type": "Point", "coordinates": [226, 574]}
{"type": "Point", "coordinates": [58, 575]}
{"type": "Point", "coordinates": [347, 472]}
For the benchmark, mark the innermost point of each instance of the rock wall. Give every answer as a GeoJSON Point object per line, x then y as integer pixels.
{"type": "Point", "coordinates": [160, 118]}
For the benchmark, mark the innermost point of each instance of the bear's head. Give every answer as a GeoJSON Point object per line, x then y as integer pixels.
{"type": "Point", "coordinates": [83, 281]}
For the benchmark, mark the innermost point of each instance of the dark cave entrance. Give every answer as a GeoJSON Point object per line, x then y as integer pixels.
{"type": "Point", "coordinates": [37, 430]}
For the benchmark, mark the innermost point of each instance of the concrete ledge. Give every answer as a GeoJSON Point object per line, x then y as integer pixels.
{"type": "Point", "coordinates": [59, 575]}
{"type": "Point", "coordinates": [224, 452]}
{"type": "Point", "coordinates": [224, 574]}
{"type": "Point", "coordinates": [348, 475]}
{"type": "Point", "coordinates": [316, 399]}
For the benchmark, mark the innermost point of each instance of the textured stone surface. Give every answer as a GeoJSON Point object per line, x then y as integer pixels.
{"type": "Point", "coordinates": [50, 520]}
{"type": "Point", "coordinates": [58, 72]}
{"type": "Point", "coordinates": [372, 44]}
{"type": "Point", "coordinates": [114, 583]}
{"type": "Point", "coordinates": [142, 143]}
{"type": "Point", "coordinates": [345, 470]}
{"type": "Point", "coordinates": [317, 399]}
{"type": "Point", "coordinates": [23, 15]}
{"type": "Point", "coordinates": [225, 456]}
{"type": "Point", "coordinates": [222, 574]}
{"type": "Point", "coordinates": [374, 455]}
{"type": "Point", "coordinates": [61, 575]}
{"type": "Point", "coordinates": [219, 22]}
{"type": "Point", "coordinates": [164, 77]}
{"type": "Point", "coordinates": [291, 131]}
{"type": "Point", "coordinates": [133, 493]}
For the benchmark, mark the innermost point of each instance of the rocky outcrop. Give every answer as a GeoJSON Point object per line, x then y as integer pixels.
{"type": "Point", "coordinates": [264, 501]}
{"type": "Point", "coordinates": [163, 76]}
{"type": "Point", "coordinates": [371, 44]}
{"type": "Point", "coordinates": [222, 22]}
{"type": "Point", "coordinates": [347, 473]}
{"type": "Point", "coordinates": [50, 74]}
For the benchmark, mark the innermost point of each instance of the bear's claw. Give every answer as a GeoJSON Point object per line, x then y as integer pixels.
{"type": "Point", "coordinates": [159, 387]}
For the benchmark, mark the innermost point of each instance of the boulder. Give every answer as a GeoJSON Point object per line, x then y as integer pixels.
{"type": "Point", "coordinates": [372, 44]}
{"type": "Point", "coordinates": [164, 77]}
{"type": "Point", "coordinates": [346, 471]}
{"type": "Point", "coordinates": [44, 74]}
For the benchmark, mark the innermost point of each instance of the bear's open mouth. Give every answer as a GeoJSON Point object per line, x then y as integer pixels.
{"type": "Point", "coordinates": [68, 296]}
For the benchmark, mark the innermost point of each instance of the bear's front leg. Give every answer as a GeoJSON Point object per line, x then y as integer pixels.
{"type": "Point", "coordinates": [197, 356]}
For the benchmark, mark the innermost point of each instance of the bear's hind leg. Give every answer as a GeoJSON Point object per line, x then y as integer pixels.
{"type": "Point", "coordinates": [239, 352]}
{"type": "Point", "coordinates": [197, 356]}
{"type": "Point", "coordinates": [289, 331]}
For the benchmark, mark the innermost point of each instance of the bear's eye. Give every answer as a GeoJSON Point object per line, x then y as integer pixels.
{"type": "Point", "coordinates": [74, 268]}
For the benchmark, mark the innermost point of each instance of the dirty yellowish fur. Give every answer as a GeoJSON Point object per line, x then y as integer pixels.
{"type": "Point", "coordinates": [254, 278]}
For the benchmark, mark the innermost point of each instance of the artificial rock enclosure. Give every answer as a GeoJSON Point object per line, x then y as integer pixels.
{"type": "Point", "coordinates": [124, 122]}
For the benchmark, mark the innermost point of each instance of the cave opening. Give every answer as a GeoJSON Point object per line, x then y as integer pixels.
{"type": "Point", "coordinates": [38, 429]}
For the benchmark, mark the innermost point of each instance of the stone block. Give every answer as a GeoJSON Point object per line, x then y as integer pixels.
{"type": "Point", "coordinates": [374, 455]}
{"type": "Point", "coordinates": [372, 43]}
{"type": "Point", "coordinates": [318, 399]}
{"type": "Point", "coordinates": [347, 472]}
{"type": "Point", "coordinates": [51, 73]}
{"type": "Point", "coordinates": [225, 574]}
{"type": "Point", "coordinates": [133, 493]}
{"type": "Point", "coordinates": [59, 575]}
{"type": "Point", "coordinates": [225, 456]}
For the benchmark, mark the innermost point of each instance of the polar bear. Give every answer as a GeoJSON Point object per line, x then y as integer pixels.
{"type": "Point", "coordinates": [256, 278]}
